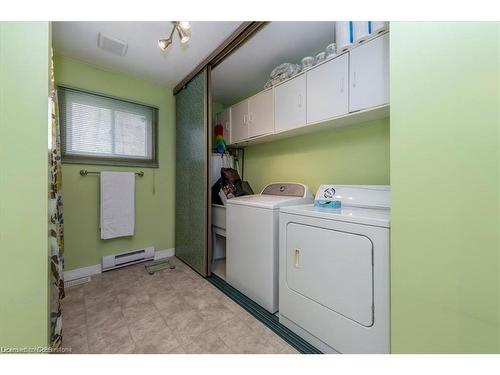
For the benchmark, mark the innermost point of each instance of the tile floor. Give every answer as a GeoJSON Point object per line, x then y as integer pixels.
{"type": "Point", "coordinates": [172, 311]}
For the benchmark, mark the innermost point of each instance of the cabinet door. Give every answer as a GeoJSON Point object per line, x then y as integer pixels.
{"type": "Point", "coordinates": [290, 104]}
{"type": "Point", "coordinates": [224, 118]}
{"type": "Point", "coordinates": [327, 90]}
{"type": "Point", "coordinates": [261, 114]}
{"type": "Point", "coordinates": [239, 118]}
{"type": "Point", "coordinates": [369, 74]}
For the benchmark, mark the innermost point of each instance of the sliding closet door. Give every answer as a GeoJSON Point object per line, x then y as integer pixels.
{"type": "Point", "coordinates": [191, 174]}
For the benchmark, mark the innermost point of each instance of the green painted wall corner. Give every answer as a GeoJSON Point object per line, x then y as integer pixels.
{"type": "Point", "coordinates": [155, 193]}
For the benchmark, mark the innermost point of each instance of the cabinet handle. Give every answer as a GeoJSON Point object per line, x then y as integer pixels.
{"type": "Point", "coordinates": [227, 125]}
{"type": "Point", "coordinates": [342, 85]}
{"type": "Point", "coordinates": [354, 79]}
{"type": "Point", "coordinates": [300, 100]}
{"type": "Point", "coordinates": [297, 258]}
{"type": "Point", "coordinates": [250, 117]}
{"type": "Point", "coordinates": [244, 119]}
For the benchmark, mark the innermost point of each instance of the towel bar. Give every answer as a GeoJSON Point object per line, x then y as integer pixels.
{"type": "Point", "coordinates": [84, 172]}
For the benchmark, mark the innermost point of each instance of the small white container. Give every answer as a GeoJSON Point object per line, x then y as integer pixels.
{"type": "Point", "coordinates": [360, 31]}
{"type": "Point", "coordinates": [307, 62]}
{"type": "Point", "coordinates": [320, 57]}
{"type": "Point", "coordinates": [331, 50]}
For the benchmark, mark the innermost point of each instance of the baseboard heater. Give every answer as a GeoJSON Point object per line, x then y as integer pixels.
{"type": "Point", "coordinates": [111, 262]}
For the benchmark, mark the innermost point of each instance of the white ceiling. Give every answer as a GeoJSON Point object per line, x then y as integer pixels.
{"type": "Point", "coordinates": [247, 69]}
{"type": "Point", "coordinates": [143, 58]}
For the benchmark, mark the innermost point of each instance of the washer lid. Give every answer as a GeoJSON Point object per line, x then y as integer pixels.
{"type": "Point", "coordinates": [289, 189]}
{"type": "Point", "coordinates": [276, 195]}
{"type": "Point", "coordinates": [270, 202]}
{"type": "Point", "coordinates": [369, 216]}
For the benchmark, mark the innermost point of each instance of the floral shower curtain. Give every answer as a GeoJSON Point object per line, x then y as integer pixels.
{"type": "Point", "coordinates": [55, 219]}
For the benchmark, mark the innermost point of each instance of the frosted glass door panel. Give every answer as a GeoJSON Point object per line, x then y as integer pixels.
{"type": "Point", "coordinates": [191, 175]}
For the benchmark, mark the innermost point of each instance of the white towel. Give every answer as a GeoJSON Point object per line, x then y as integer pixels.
{"type": "Point", "coordinates": [117, 204]}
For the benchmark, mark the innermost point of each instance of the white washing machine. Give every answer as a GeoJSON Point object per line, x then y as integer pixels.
{"type": "Point", "coordinates": [252, 240]}
{"type": "Point", "coordinates": [334, 271]}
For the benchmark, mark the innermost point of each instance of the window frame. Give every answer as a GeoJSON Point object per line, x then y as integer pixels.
{"type": "Point", "coordinates": [105, 160]}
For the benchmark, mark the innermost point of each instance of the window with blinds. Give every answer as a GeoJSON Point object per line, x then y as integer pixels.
{"type": "Point", "coordinates": [97, 129]}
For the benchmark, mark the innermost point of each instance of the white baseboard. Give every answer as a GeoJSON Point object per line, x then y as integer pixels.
{"type": "Point", "coordinates": [167, 253]}
{"type": "Point", "coordinates": [79, 273]}
{"type": "Point", "coordinates": [82, 272]}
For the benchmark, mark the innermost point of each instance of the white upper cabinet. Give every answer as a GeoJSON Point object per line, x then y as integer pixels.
{"type": "Point", "coordinates": [261, 114]}
{"type": "Point", "coordinates": [239, 122]}
{"type": "Point", "coordinates": [350, 88]}
{"type": "Point", "coordinates": [290, 104]}
{"type": "Point", "coordinates": [327, 90]}
{"type": "Point", "coordinates": [369, 74]}
{"type": "Point", "coordinates": [224, 118]}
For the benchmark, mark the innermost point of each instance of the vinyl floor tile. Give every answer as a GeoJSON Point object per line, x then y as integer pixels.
{"type": "Point", "coordinates": [171, 312]}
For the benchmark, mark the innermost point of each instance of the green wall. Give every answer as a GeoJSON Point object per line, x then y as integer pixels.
{"type": "Point", "coordinates": [24, 88]}
{"type": "Point", "coordinates": [154, 222]}
{"type": "Point", "coordinates": [498, 260]}
{"type": "Point", "coordinates": [445, 186]}
{"type": "Point", "coordinates": [356, 154]}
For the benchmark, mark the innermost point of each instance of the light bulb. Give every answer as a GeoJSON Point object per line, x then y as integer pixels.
{"type": "Point", "coordinates": [183, 35]}
{"type": "Point", "coordinates": [164, 43]}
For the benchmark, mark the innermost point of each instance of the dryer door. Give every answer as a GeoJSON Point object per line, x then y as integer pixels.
{"type": "Point", "coordinates": [332, 268]}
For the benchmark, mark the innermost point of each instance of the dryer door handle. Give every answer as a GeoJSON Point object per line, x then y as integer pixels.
{"type": "Point", "coordinates": [296, 258]}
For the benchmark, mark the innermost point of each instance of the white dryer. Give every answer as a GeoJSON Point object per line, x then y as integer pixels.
{"type": "Point", "coordinates": [252, 240]}
{"type": "Point", "coordinates": [334, 271]}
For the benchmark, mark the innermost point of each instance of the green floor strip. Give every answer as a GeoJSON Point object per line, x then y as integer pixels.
{"type": "Point", "coordinates": [269, 320]}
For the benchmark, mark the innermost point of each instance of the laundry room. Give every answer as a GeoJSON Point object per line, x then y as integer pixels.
{"type": "Point", "coordinates": [250, 187]}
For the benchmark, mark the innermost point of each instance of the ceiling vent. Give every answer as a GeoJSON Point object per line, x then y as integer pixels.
{"type": "Point", "coordinates": [112, 45]}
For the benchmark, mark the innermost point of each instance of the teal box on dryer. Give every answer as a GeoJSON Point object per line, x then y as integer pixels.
{"type": "Point", "coordinates": [325, 197]}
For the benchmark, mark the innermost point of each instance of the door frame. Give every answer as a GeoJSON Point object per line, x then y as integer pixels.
{"type": "Point", "coordinates": [242, 34]}
{"type": "Point", "coordinates": [208, 169]}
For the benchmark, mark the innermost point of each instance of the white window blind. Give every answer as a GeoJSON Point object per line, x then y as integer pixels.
{"type": "Point", "coordinates": [102, 130]}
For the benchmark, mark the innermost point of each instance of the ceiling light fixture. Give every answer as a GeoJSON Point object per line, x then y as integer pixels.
{"type": "Point", "coordinates": [183, 35]}
{"type": "Point", "coordinates": [183, 30]}
{"type": "Point", "coordinates": [164, 43]}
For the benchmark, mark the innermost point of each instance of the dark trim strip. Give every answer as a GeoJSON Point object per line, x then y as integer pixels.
{"type": "Point", "coordinates": [99, 93]}
{"type": "Point", "coordinates": [243, 32]}
{"type": "Point", "coordinates": [208, 191]}
{"type": "Point", "coordinates": [269, 320]}
{"type": "Point", "coordinates": [237, 42]}
{"type": "Point", "coordinates": [108, 161]}
{"type": "Point", "coordinates": [206, 173]}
